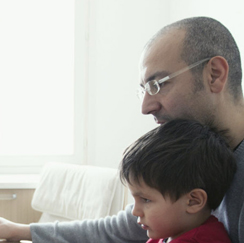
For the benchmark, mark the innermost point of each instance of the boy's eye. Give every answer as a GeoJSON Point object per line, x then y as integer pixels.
{"type": "Point", "coordinates": [145, 200]}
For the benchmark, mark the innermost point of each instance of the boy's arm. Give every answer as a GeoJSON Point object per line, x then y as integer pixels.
{"type": "Point", "coordinates": [120, 228]}
{"type": "Point", "coordinates": [13, 231]}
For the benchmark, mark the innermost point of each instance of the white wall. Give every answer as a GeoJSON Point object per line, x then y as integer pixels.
{"type": "Point", "coordinates": [118, 31]}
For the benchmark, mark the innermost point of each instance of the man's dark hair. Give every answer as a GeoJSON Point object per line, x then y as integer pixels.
{"type": "Point", "coordinates": [178, 157]}
{"type": "Point", "coordinates": [206, 38]}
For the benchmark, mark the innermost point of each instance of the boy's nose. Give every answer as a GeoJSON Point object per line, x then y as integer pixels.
{"type": "Point", "coordinates": [136, 211]}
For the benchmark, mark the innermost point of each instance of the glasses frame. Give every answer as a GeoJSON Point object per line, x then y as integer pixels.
{"type": "Point", "coordinates": [173, 75]}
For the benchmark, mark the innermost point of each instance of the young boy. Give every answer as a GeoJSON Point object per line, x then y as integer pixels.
{"type": "Point", "coordinates": [178, 173]}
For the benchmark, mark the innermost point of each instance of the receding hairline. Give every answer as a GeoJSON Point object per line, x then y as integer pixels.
{"type": "Point", "coordinates": [173, 33]}
{"type": "Point", "coordinates": [156, 45]}
{"type": "Point", "coordinates": [164, 31]}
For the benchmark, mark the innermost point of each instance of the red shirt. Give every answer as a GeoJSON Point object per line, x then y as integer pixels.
{"type": "Point", "coordinates": [212, 231]}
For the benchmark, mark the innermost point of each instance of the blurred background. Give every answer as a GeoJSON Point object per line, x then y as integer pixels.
{"type": "Point", "coordinates": [69, 75]}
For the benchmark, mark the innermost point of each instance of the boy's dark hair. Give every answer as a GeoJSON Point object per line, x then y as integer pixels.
{"type": "Point", "coordinates": [178, 157]}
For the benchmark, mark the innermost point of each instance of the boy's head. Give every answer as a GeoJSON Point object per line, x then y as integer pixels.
{"type": "Point", "coordinates": [178, 157]}
{"type": "Point", "coordinates": [177, 173]}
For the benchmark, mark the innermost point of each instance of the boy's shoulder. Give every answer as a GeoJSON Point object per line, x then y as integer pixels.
{"type": "Point", "coordinates": [211, 231]}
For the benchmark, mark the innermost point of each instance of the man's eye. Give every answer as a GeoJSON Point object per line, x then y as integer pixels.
{"type": "Point", "coordinates": [162, 84]}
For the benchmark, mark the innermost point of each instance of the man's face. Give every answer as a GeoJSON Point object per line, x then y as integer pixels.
{"type": "Point", "coordinates": [178, 97]}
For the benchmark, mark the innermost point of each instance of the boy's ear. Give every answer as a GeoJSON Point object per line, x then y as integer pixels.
{"type": "Point", "coordinates": [196, 200]}
{"type": "Point", "coordinates": [218, 70]}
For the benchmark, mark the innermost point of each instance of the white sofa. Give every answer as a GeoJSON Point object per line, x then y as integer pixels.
{"type": "Point", "coordinates": [69, 192]}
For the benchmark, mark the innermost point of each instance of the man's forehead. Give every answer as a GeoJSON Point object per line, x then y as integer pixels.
{"type": "Point", "coordinates": [164, 51]}
{"type": "Point", "coordinates": [149, 61]}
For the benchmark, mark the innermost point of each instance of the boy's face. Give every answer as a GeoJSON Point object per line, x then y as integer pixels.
{"type": "Point", "coordinates": [161, 217]}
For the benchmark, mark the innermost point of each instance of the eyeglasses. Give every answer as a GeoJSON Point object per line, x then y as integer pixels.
{"type": "Point", "coordinates": [153, 86]}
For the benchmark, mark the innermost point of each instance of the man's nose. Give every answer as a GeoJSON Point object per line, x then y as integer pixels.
{"type": "Point", "coordinates": [150, 104]}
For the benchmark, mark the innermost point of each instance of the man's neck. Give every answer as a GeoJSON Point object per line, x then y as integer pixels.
{"type": "Point", "coordinates": [231, 119]}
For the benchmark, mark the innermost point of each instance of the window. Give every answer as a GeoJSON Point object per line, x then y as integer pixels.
{"type": "Point", "coordinates": [40, 84]}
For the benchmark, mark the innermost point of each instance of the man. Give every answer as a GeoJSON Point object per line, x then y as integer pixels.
{"type": "Point", "coordinates": [197, 68]}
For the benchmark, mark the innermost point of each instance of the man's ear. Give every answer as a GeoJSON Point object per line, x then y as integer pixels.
{"type": "Point", "coordinates": [218, 70]}
{"type": "Point", "coordinates": [196, 200]}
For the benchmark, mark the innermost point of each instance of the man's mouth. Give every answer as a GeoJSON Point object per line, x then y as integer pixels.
{"type": "Point", "coordinates": [160, 122]}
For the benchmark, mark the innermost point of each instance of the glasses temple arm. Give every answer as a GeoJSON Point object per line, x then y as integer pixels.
{"type": "Point", "coordinates": [183, 70]}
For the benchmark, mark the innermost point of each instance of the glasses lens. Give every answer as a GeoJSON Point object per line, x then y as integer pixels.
{"type": "Point", "coordinates": [152, 87]}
